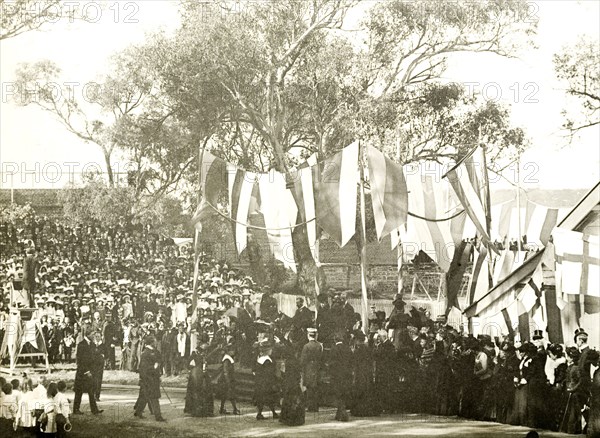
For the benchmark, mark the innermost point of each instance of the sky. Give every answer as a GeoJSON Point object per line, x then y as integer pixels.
{"type": "Point", "coordinates": [37, 151]}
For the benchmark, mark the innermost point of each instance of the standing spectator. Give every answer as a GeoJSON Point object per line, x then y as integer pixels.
{"type": "Point", "coordinates": [300, 322]}
{"type": "Point", "coordinates": [98, 365]}
{"type": "Point", "coordinates": [265, 381]}
{"type": "Point", "coordinates": [227, 380]}
{"type": "Point", "coordinates": [268, 305]}
{"type": "Point", "coordinates": [181, 349]}
{"type": "Point", "coordinates": [166, 348]}
{"type": "Point", "coordinates": [149, 381]}
{"type": "Point", "coordinates": [84, 381]}
{"type": "Point", "coordinates": [30, 271]}
{"type": "Point", "coordinates": [341, 375]}
{"type": "Point", "coordinates": [571, 421]}
{"type": "Point", "coordinates": [48, 419]}
{"type": "Point", "coordinates": [110, 336]}
{"type": "Point", "coordinates": [310, 361]}
{"type": "Point", "coordinates": [63, 411]}
{"type": "Point", "coordinates": [594, 418]}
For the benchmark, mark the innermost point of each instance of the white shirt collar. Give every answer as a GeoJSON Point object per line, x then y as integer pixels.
{"type": "Point", "coordinates": [262, 359]}
{"type": "Point", "coordinates": [229, 358]}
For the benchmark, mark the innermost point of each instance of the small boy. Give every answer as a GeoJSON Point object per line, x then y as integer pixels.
{"type": "Point", "coordinates": [63, 410]}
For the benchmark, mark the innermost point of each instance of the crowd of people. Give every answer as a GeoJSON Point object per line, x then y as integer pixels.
{"type": "Point", "coordinates": [32, 407]}
{"type": "Point", "coordinates": [121, 297]}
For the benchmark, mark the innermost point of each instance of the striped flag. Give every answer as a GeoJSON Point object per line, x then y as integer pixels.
{"type": "Point", "coordinates": [303, 189]}
{"type": "Point", "coordinates": [454, 277]}
{"type": "Point", "coordinates": [531, 294]}
{"type": "Point", "coordinates": [507, 263]}
{"type": "Point", "coordinates": [428, 199]}
{"type": "Point", "coordinates": [467, 182]}
{"type": "Point", "coordinates": [336, 195]}
{"type": "Point", "coordinates": [540, 221]}
{"type": "Point", "coordinates": [213, 181]}
{"type": "Point", "coordinates": [241, 185]}
{"type": "Point", "coordinates": [479, 283]}
{"type": "Point", "coordinates": [279, 210]}
{"type": "Point", "coordinates": [388, 192]}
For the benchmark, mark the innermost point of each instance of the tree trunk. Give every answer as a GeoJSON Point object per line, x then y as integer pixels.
{"type": "Point", "coordinates": [109, 171]}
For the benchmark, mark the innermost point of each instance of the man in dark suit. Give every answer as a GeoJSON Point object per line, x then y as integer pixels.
{"type": "Point", "coordinates": [84, 382]}
{"type": "Point", "coordinates": [310, 361]}
{"type": "Point", "coordinates": [30, 268]}
{"type": "Point", "coordinates": [268, 306]}
{"type": "Point", "coordinates": [110, 336]}
{"type": "Point", "coordinates": [341, 375]}
{"type": "Point", "coordinates": [348, 312]}
{"type": "Point", "coordinates": [150, 371]}
{"type": "Point", "coordinates": [581, 339]}
{"type": "Point", "coordinates": [302, 319]}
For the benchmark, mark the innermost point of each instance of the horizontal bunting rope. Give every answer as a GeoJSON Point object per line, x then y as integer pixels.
{"type": "Point", "coordinates": [256, 227]}
{"type": "Point", "coordinates": [436, 220]}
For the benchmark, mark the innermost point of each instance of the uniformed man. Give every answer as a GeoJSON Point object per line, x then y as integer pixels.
{"type": "Point", "coordinates": [310, 361]}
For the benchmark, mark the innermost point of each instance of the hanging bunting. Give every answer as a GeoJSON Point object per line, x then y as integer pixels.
{"type": "Point", "coordinates": [428, 199]}
{"type": "Point", "coordinates": [280, 212]}
{"type": "Point", "coordinates": [388, 192]}
{"type": "Point", "coordinates": [241, 185]}
{"type": "Point", "coordinates": [303, 190]}
{"type": "Point", "coordinates": [213, 181]}
{"type": "Point", "coordinates": [468, 186]}
{"type": "Point", "coordinates": [336, 195]}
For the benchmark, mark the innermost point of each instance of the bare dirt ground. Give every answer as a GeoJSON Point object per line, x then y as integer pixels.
{"type": "Point", "coordinates": [118, 421]}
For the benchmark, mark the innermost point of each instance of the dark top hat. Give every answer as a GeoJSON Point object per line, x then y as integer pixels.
{"type": "Point", "coordinates": [579, 332]}
{"type": "Point", "coordinates": [537, 334]}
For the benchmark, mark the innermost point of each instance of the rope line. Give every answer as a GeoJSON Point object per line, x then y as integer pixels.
{"type": "Point", "coordinates": [256, 227]}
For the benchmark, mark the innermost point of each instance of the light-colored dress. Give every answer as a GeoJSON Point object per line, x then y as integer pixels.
{"type": "Point", "coordinates": [50, 411]}
{"type": "Point", "coordinates": [25, 417]}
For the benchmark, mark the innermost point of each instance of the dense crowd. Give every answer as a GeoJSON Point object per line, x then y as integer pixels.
{"type": "Point", "coordinates": [121, 297]}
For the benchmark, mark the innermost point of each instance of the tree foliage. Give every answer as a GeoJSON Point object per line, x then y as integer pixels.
{"type": "Point", "coordinates": [578, 65]}
{"type": "Point", "coordinates": [15, 214]}
{"type": "Point", "coordinates": [94, 112]}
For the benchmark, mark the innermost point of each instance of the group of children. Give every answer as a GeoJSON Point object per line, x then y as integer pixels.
{"type": "Point", "coordinates": [33, 408]}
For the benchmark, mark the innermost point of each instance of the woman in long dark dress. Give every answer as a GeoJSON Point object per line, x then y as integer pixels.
{"type": "Point", "coordinates": [571, 419]}
{"type": "Point", "coordinates": [557, 391]}
{"type": "Point", "coordinates": [292, 405]}
{"type": "Point", "coordinates": [266, 391]}
{"type": "Point", "coordinates": [364, 399]}
{"type": "Point", "coordinates": [199, 398]}
{"type": "Point", "coordinates": [594, 418]}
{"type": "Point", "coordinates": [521, 380]}
{"type": "Point", "coordinates": [226, 382]}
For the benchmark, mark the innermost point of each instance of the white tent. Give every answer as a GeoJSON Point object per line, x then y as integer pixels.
{"type": "Point", "coordinates": [23, 332]}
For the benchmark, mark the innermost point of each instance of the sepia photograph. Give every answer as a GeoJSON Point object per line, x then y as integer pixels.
{"type": "Point", "coordinates": [299, 218]}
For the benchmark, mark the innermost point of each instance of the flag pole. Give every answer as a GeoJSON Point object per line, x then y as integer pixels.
{"type": "Point", "coordinates": [363, 240]}
{"type": "Point", "coordinates": [399, 250]}
{"type": "Point", "coordinates": [519, 204]}
{"type": "Point", "coordinates": [197, 236]}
